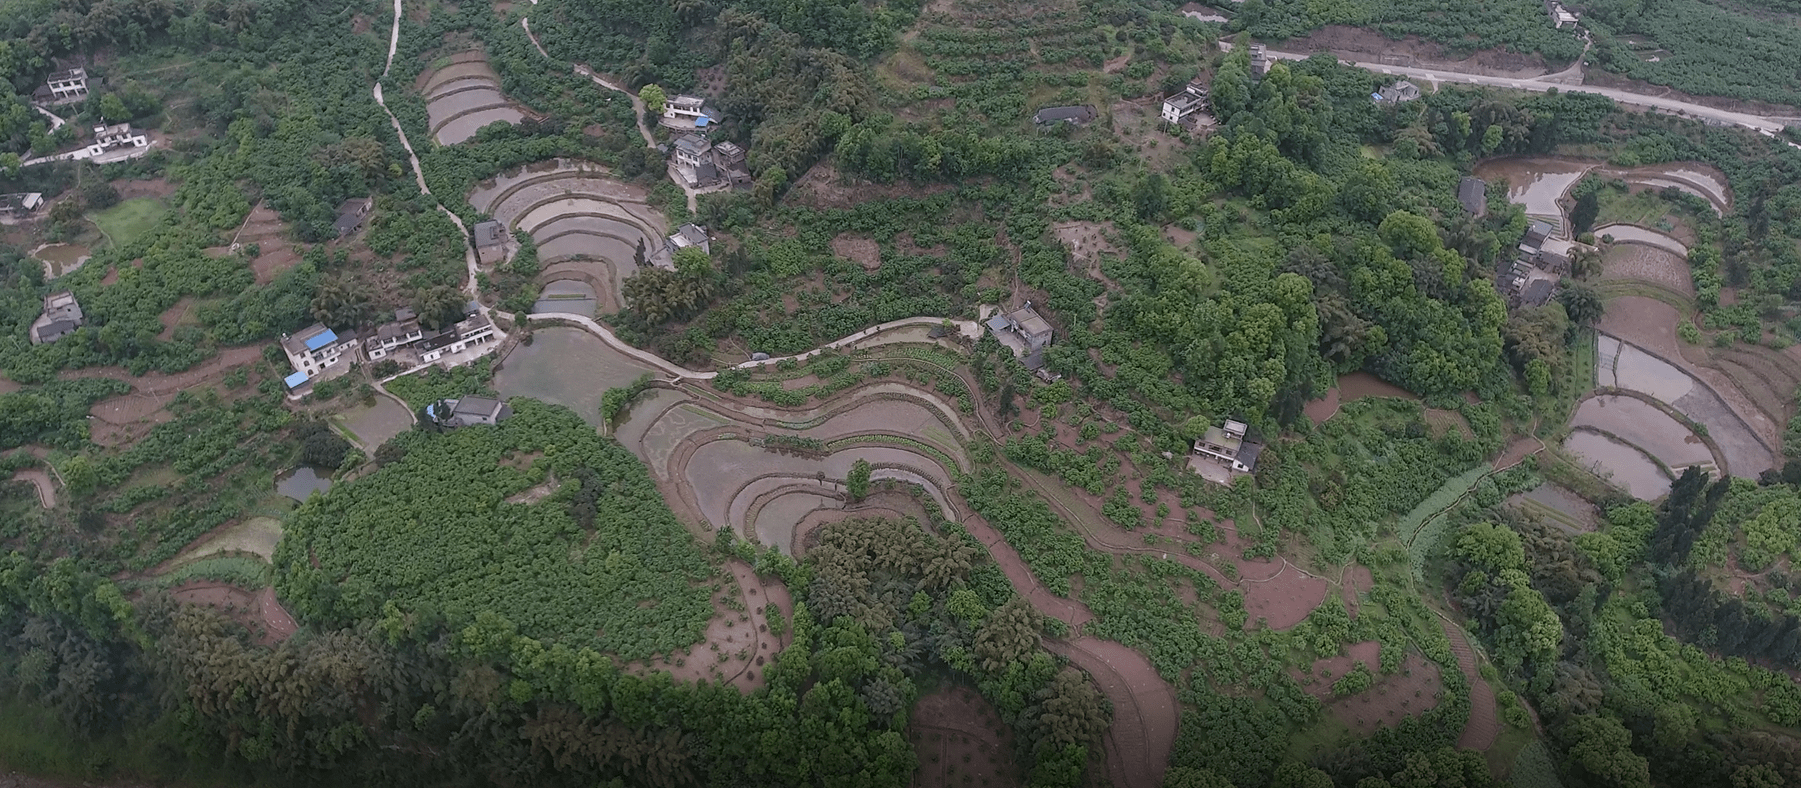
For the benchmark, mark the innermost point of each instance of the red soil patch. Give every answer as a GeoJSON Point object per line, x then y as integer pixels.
{"type": "Point", "coordinates": [264, 228]}
{"type": "Point", "coordinates": [172, 316]}
{"type": "Point", "coordinates": [959, 739]}
{"type": "Point", "coordinates": [1484, 726]}
{"type": "Point", "coordinates": [737, 644]}
{"type": "Point", "coordinates": [1353, 581]}
{"type": "Point", "coordinates": [1145, 713]}
{"type": "Point", "coordinates": [112, 275]}
{"type": "Point", "coordinates": [1517, 451]}
{"type": "Point", "coordinates": [166, 384]}
{"type": "Point", "coordinates": [1285, 599]}
{"type": "Point", "coordinates": [133, 189]}
{"type": "Point", "coordinates": [1318, 683]}
{"type": "Point", "coordinates": [259, 610]}
{"type": "Point", "coordinates": [858, 249]}
{"type": "Point", "coordinates": [821, 187]}
{"type": "Point", "coordinates": [1390, 698]}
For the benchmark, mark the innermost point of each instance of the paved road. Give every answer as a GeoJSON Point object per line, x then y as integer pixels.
{"type": "Point", "coordinates": [1767, 126]}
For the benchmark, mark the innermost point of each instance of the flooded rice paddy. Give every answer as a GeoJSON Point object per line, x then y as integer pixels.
{"type": "Point", "coordinates": [463, 97]}
{"type": "Point", "coordinates": [1641, 424]}
{"type": "Point", "coordinates": [566, 296]}
{"type": "Point", "coordinates": [303, 482]}
{"type": "Point", "coordinates": [568, 366]}
{"type": "Point", "coordinates": [1628, 367]}
{"type": "Point", "coordinates": [1619, 462]}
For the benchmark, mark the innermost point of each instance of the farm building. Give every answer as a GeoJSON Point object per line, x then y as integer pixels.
{"type": "Point", "coordinates": [393, 336]}
{"type": "Point", "coordinates": [352, 214]}
{"type": "Point", "coordinates": [468, 411]}
{"type": "Point", "coordinates": [63, 87]}
{"type": "Point", "coordinates": [1052, 117]}
{"type": "Point", "coordinates": [1024, 332]}
{"type": "Point", "coordinates": [1472, 193]}
{"type": "Point", "coordinates": [316, 348]}
{"type": "Point", "coordinates": [21, 205]}
{"type": "Point", "coordinates": [61, 317]}
{"type": "Point", "coordinates": [1227, 445]}
{"type": "Point", "coordinates": [490, 242]}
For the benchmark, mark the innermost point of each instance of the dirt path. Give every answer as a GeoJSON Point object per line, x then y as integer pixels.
{"type": "Point", "coordinates": [1484, 727]}
{"type": "Point", "coordinates": [637, 103]}
{"type": "Point", "coordinates": [41, 480]}
{"type": "Point", "coordinates": [471, 261]}
{"type": "Point", "coordinates": [1143, 732]}
{"type": "Point", "coordinates": [160, 383]}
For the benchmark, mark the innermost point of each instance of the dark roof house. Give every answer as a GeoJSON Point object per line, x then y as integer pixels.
{"type": "Point", "coordinates": [1055, 116]}
{"type": "Point", "coordinates": [61, 317]}
{"type": "Point", "coordinates": [351, 215]}
{"type": "Point", "coordinates": [1473, 194]}
{"type": "Point", "coordinates": [468, 411]}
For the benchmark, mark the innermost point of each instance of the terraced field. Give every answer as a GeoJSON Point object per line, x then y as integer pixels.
{"type": "Point", "coordinates": [463, 96]}
{"type": "Point", "coordinates": [589, 227]}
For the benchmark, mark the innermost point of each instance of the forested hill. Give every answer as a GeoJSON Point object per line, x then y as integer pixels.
{"type": "Point", "coordinates": [921, 556]}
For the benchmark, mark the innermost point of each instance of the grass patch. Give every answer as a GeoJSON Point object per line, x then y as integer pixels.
{"type": "Point", "coordinates": [1643, 208]}
{"type": "Point", "coordinates": [127, 221]}
{"type": "Point", "coordinates": [239, 570]}
{"type": "Point", "coordinates": [1532, 768]}
{"type": "Point", "coordinates": [1422, 527]}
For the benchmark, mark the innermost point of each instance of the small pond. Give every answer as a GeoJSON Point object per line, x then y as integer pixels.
{"type": "Point", "coordinates": [303, 482]}
{"type": "Point", "coordinates": [1620, 463]}
{"type": "Point", "coordinates": [61, 259]}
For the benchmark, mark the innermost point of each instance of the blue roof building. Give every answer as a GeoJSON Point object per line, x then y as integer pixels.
{"type": "Point", "coordinates": [295, 380]}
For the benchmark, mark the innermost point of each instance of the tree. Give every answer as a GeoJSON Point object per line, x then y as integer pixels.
{"type": "Point", "coordinates": [1600, 749]}
{"type": "Point", "coordinates": [1582, 304]}
{"type": "Point", "coordinates": [1582, 215]}
{"type": "Point", "coordinates": [654, 98]}
{"type": "Point", "coordinates": [1008, 633]}
{"type": "Point", "coordinates": [438, 307]}
{"type": "Point", "coordinates": [342, 303]}
{"type": "Point", "coordinates": [857, 484]}
{"type": "Point", "coordinates": [112, 108]}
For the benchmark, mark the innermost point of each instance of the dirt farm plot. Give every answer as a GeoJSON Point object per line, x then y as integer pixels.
{"type": "Point", "coordinates": [1389, 699]}
{"type": "Point", "coordinates": [1643, 263]}
{"type": "Point", "coordinates": [256, 536]}
{"type": "Point", "coordinates": [1284, 600]}
{"type": "Point", "coordinates": [737, 644]}
{"type": "Point", "coordinates": [959, 737]}
{"type": "Point", "coordinates": [862, 250]}
{"type": "Point", "coordinates": [370, 426]}
{"type": "Point", "coordinates": [257, 610]}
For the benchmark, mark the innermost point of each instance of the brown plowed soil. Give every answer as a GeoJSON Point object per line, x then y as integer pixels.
{"type": "Point", "coordinates": [1648, 264]}
{"type": "Point", "coordinates": [1285, 599]}
{"type": "Point", "coordinates": [859, 249]}
{"type": "Point", "coordinates": [1484, 726]}
{"type": "Point", "coordinates": [1362, 44]}
{"type": "Point", "coordinates": [737, 644]}
{"type": "Point", "coordinates": [258, 610]}
{"type": "Point", "coordinates": [959, 737]}
{"type": "Point", "coordinates": [1392, 698]}
{"type": "Point", "coordinates": [1145, 714]}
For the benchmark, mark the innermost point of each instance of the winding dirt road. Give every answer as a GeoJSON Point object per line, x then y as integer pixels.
{"type": "Point", "coordinates": [1767, 126]}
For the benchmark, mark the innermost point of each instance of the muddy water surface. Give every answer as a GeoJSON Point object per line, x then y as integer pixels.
{"type": "Point", "coordinates": [1535, 182]}
{"type": "Point", "coordinates": [60, 259]}
{"type": "Point", "coordinates": [1627, 467]}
